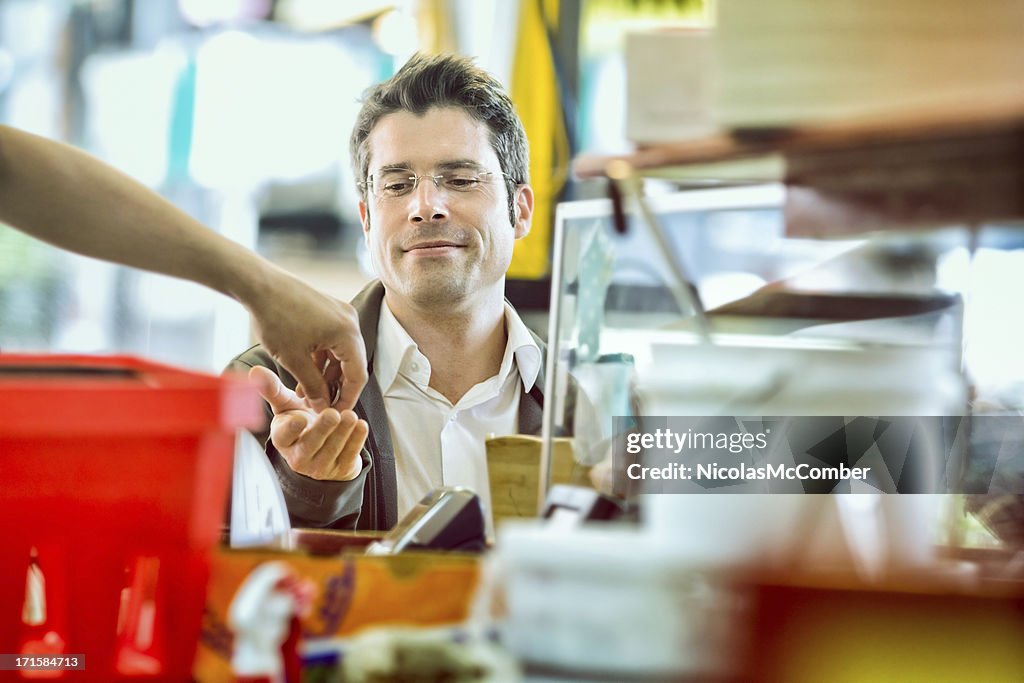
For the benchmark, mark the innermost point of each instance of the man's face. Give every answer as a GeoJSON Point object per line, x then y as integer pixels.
{"type": "Point", "coordinates": [434, 246]}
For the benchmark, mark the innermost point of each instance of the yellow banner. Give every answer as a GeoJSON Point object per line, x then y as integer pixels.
{"type": "Point", "coordinates": [535, 93]}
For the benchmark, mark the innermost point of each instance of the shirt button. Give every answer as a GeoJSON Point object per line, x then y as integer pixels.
{"type": "Point", "coordinates": [415, 367]}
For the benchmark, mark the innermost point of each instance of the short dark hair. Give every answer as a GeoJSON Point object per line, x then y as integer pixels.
{"type": "Point", "coordinates": [425, 82]}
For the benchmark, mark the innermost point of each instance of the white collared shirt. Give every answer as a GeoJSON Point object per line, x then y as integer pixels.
{"type": "Point", "coordinates": [436, 443]}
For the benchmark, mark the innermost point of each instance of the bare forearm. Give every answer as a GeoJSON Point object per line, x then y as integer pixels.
{"type": "Point", "coordinates": [72, 200]}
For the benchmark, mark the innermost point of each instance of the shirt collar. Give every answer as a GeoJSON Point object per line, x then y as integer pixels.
{"type": "Point", "coordinates": [394, 346]}
{"type": "Point", "coordinates": [522, 344]}
{"type": "Point", "coordinates": [396, 350]}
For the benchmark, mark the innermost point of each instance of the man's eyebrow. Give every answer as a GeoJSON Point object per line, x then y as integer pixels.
{"type": "Point", "coordinates": [400, 167]}
{"type": "Point", "coordinates": [448, 165]}
{"type": "Point", "coordinates": [460, 163]}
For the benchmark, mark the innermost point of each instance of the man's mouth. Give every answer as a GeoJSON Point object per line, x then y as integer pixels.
{"type": "Point", "coordinates": [433, 246]}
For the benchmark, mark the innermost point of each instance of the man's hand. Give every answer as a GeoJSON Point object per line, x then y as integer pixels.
{"type": "Point", "coordinates": [316, 337]}
{"type": "Point", "coordinates": [323, 446]}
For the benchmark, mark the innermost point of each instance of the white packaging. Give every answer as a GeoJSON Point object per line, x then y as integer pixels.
{"type": "Point", "coordinates": [610, 600]}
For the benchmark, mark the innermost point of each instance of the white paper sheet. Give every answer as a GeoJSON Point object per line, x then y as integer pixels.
{"type": "Point", "coordinates": [259, 515]}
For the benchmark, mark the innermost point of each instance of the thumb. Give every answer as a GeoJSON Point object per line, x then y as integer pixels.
{"type": "Point", "coordinates": [274, 392]}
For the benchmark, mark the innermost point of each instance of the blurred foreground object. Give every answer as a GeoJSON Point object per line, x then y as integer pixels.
{"type": "Point", "coordinates": [116, 477]}
{"type": "Point", "coordinates": [919, 628]}
{"type": "Point", "coordinates": [613, 604]}
{"type": "Point", "coordinates": [405, 654]}
{"type": "Point", "coordinates": [259, 514]}
{"type": "Point", "coordinates": [610, 604]}
{"type": "Point", "coordinates": [352, 592]}
{"type": "Point", "coordinates": [1002, 514]}
{"type": "Point", "coordinates": [264, 617]}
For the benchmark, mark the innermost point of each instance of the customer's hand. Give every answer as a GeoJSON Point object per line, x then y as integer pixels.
{"type": "Point", "coordinates": [321, 445]}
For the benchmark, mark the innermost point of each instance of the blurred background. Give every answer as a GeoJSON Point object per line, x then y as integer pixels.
{"type": "Point", "coordinates": [239, 112]}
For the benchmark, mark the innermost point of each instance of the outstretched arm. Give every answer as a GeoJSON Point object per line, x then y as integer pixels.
{"type": "Point", "coordinates": [65, 197]}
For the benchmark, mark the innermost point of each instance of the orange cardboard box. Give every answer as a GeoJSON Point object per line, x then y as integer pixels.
{"type": "Point", "coordinates": [352, 592]}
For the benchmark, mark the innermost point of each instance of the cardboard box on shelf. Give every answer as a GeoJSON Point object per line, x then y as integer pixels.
{"type": "Point", "coordinates": [668, 85]}
{"type": "Point", "coordinates": [793, 63]}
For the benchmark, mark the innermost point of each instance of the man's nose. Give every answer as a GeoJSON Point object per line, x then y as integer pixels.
{"type": "Point", "coordinates": [428, 203]}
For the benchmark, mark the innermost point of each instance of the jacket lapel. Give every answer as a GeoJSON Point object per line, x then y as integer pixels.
{"type": "Point", "coordinates": [531, 403]}
{"type": "Point", "coordinates": [380, 505]}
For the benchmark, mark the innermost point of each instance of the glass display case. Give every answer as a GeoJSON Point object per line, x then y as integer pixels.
{"type": "Point", "coordinates": [701, 305]}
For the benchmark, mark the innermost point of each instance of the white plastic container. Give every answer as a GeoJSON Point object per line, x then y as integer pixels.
{"type": "Point", "coordinates": [611, 601]}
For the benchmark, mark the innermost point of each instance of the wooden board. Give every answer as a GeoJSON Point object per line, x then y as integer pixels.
{"type": "Point", "coordinates": [513, 467]}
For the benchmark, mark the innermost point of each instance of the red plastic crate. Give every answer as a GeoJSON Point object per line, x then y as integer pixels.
{"type": "Point", "coordinates": [116, 470]}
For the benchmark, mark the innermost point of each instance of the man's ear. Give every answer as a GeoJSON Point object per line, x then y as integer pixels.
{"type": "Point", "coordinates": [364, 216]}
{"type": "Point", "coordinates": [523, 211]}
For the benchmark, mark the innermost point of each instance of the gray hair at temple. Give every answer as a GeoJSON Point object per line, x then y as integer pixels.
{"type": "Point", "coordinates": [425, 82]}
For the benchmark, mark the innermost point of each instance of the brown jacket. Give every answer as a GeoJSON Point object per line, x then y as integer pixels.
{"type": "Point", "coordinates": [369, 501]}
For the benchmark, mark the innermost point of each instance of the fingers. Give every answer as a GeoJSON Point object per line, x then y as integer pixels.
{"type": "Point", "coordinates": [325, 448]}
{"type": "Point", "coordinates": [286, 429]}
{"type": "Point", "coordinates": [329, 367]}
{"type": "Point", "coordinates": [274, 392]}
{"type": "Point", "coordinates": [331, 371]}
{"type": "Point", "coordinates": [303, 449]}
{"type": "Point", "coordinates": [348, 464]}
{"type": "Point", "coordinates": [353, 379]}
{"type": "Point", "coordinates": [329, 378]}
{"type": "Point", "coordinates": [311, 381]}
{"type": "Point", "coordinates": [343, 445]}
{"type": "Point", "coordinates": [301, 327]}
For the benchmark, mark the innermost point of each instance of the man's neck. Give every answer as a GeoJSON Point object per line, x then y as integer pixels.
{"type": "Point", "coordinates": [464, 344]}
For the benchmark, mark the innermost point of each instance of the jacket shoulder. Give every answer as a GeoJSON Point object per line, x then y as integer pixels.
{"type": "Point", "coordinates": [257, 355]}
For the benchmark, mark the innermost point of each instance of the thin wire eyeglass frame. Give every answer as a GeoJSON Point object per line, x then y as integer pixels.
{"type": "Point", "coordinates": [439, 183]}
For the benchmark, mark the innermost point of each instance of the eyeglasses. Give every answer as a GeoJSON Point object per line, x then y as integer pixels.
{"type": "Point", "coordinates": [397, 184]}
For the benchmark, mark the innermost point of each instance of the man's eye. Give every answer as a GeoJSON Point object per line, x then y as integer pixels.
{"type": "Point", "coordinates": [397, 186]}
{"type": "Point", "coordinates": [461, 182]}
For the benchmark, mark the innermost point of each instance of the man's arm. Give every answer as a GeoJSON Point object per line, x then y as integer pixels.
{"type": "Point", "coordinates": [65, 197]}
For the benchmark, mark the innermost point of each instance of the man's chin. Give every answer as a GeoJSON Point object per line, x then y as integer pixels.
{"type": "Point", "coordinates": [428, 292]}
{"type": "Point", "coordinates": [441, 288]}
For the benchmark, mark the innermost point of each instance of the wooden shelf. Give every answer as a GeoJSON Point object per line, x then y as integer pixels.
{"type": "Point", "coordinates": [918, 169]}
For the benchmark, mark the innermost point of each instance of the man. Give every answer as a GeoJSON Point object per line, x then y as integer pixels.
{"type": "Point", "coordinates": [442, 164]}
{"type": "Point", "coordinates": [65, 197]}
